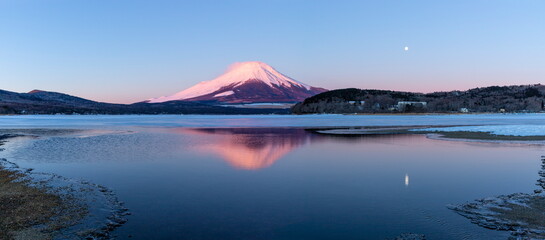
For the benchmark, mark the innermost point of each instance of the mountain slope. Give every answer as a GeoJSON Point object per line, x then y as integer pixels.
{"type": "Point", "coordinates": [246, 82]}
{"type": "Point", "coordinates": [43, 102]}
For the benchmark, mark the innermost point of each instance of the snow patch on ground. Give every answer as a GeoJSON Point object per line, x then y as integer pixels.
{"type": "Point", "coordinates": [505, 130]}
{"type": "Point", "coordinates": [226, 93]}
{"type": "Point", "coordinates": [260, 105]}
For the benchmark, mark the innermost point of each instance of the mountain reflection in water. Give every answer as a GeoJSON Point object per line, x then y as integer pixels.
{"type": "Point", "coordinates": [251, 148]}
{"type": "Point", "coordinates": [257, 148]}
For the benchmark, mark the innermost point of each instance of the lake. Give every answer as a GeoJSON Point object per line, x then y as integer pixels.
{"type": "Point", "coordinates": [270, 177]}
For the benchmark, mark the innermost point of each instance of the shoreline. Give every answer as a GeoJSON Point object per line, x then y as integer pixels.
{"type": "Point", "coordinates": [522, 214]}
{"type": "Point", "coordinates": [292, 114]}
{"type": "Point", "coordinates": [468, 136]}
{"type": "Point", "coordinates": [35, 205]}
{"type": "Point", "coordinates": [18, 198]}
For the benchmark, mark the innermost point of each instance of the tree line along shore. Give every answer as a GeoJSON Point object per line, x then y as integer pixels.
{"type": "Point", "coordinates": [494, 99]}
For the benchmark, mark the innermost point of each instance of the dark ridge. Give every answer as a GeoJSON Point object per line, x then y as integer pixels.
{"type": "Point", "coordinates": [519, 98]}
{"type": "Point", "coordinates": [44, 102]}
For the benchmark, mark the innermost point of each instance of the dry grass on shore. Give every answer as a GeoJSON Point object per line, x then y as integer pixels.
{"type": "Point", "coordinates": [28, 211]}
{"type": "Point", "coordinates": [532, 214]}
{"type": "Point", "coordinates": [23, 206]}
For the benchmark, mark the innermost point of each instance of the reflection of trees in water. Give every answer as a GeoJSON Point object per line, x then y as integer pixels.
{"type": "Point", "coordinates": [358, 138]}
{"type": "Point", "coordinates": [256, 148]}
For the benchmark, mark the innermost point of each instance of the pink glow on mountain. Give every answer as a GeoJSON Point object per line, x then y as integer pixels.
{"type": "Point", "coordinates": [236, 75]}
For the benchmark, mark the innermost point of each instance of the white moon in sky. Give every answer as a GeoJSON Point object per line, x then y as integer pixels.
{"type": "Point", "coordinates": [406, 48]}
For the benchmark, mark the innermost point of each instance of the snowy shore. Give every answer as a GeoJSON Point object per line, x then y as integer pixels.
{"type": "Point", "coordinates": [503, 130]}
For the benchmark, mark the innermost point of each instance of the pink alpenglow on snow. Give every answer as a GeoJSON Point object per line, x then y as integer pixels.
{"type": "Point", "coordinates": [246, 82]}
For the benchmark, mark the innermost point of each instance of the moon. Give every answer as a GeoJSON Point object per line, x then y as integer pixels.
{"type": "Point", "coordinates": [406, 48]}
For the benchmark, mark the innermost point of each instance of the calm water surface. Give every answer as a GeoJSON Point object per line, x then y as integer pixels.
{"type": "Point", "coordinates": [285, 182]}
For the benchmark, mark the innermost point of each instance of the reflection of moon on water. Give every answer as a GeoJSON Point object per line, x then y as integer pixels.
{"type": "Point", "coordinates": [406, 179]}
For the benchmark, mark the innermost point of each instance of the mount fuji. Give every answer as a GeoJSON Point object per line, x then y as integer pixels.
{"type": "Point", "coordinates": [246, 82]}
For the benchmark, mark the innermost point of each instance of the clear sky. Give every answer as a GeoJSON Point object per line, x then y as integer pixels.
{"type": "Point", "coordinates": [130, 50]}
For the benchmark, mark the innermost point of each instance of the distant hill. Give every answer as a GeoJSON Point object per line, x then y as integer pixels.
{"type": "Point", "coordinates": [522, 98]}
{"type": "Point", "coordinates": [44, 102]}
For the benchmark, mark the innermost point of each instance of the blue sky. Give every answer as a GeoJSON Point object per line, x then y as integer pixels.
{"type": "Point", "coordinates": [129, 50]}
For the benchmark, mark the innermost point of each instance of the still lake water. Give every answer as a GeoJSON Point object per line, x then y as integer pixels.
{"type": "Point", "coordinates": [266, 177]}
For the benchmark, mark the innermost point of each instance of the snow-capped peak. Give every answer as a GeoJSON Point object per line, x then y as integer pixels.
{"type": "Point", "coordinates": [236, 74]}
{"type": "Point", "coordinates": [258, 71]}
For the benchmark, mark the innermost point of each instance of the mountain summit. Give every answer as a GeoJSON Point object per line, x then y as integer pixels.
{"type": "Point", "coordinates": [246, 82]}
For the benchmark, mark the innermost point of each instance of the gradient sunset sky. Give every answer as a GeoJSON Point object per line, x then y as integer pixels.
{"type": "Point", "coordinates": [128, 50]}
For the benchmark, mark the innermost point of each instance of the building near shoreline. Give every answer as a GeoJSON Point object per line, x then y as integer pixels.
{"type": "Point", "coordinates": [356, 102]}
{"type": "Point", "coordinates": [405, 105]}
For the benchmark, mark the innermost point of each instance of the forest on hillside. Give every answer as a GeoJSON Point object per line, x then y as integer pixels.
{"type": "Point", "coordinates": [520, 98]}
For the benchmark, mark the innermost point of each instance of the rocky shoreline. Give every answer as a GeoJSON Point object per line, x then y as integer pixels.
{"type": "Point", "coordinates": [522, 214]}
{"type": "Point", "coordinates": [36, 205]}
